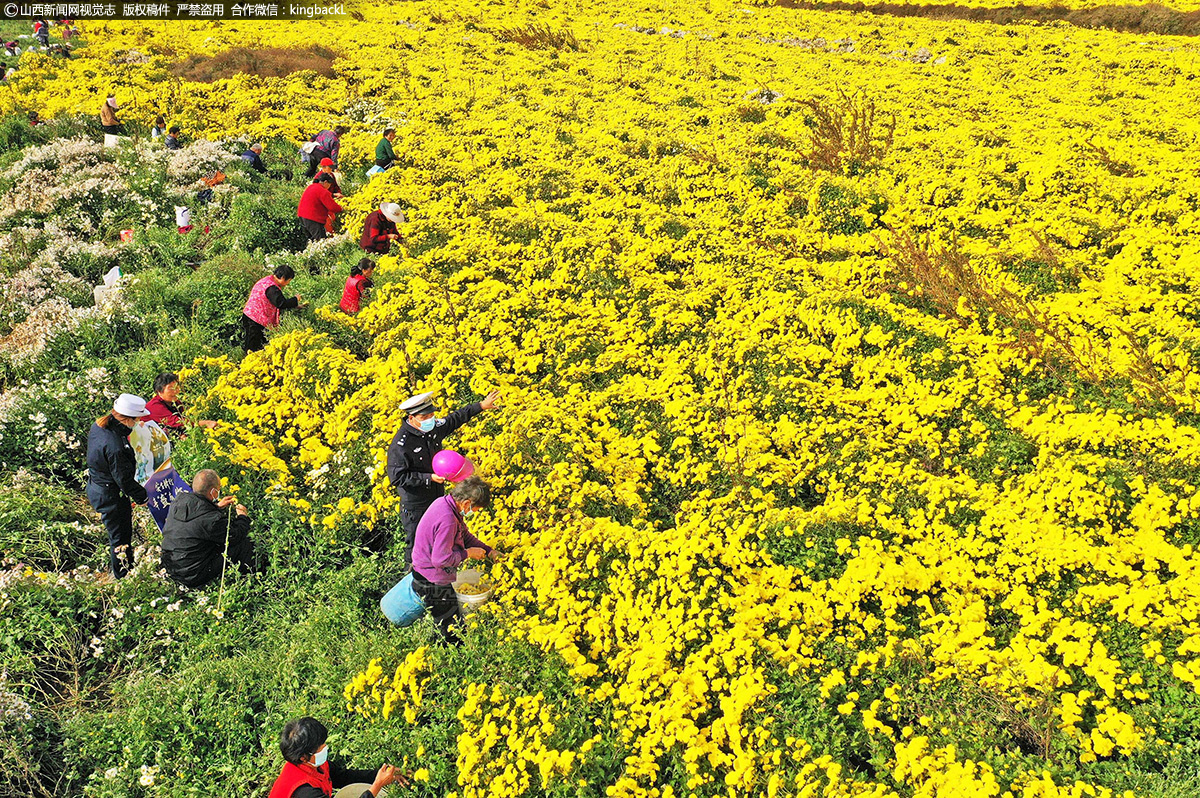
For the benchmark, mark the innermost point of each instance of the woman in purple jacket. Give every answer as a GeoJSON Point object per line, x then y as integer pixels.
{"type": "Point", "coordinates": [442, 544]}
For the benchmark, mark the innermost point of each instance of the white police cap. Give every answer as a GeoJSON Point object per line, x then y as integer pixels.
{"type": "Point", "coordinates": [416, 405]}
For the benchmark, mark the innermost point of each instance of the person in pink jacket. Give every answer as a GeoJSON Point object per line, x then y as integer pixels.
{"type": "Point", "coordinates": [442, 544]}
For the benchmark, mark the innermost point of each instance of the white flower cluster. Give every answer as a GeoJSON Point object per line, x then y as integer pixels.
{"type": "Point", "coordinates": [22, 292]}
{"type": "Point", "coordinates": [196, 160]}
{"type": "Point", "coordinates": [12, 706]}
{"type": "Point", "coordinates": [70, 155]}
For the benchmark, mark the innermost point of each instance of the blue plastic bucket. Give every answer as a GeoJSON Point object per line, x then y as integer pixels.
{"type": "Point", "coordinates": [402, 605]}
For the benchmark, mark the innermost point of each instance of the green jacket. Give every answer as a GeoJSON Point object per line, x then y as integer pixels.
{"type": "Point", "coordinates": [384, 151]}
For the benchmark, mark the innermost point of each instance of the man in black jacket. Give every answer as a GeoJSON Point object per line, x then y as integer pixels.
{"type": "Point", "coordinates": [410, 457]}
{"type": "Point", "coordinates": [199, 528]}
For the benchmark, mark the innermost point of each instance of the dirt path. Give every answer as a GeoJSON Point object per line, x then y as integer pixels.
{"type": "Point", "coordinates": [1150, 18]}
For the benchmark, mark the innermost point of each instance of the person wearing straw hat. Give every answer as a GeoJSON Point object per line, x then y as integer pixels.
{"type": "Point", "coordinates": [108, 117]}
{"type": "Point", "coordinates": [379, 230]}
{"type": "Point", "coordinates": [202, 537]}
{"type": "Point", "coordinates": [308, 772]}
{"type": "Point", "coordinates": [111, 482]}
{"type": "Point", "coordinates": [410, 457]}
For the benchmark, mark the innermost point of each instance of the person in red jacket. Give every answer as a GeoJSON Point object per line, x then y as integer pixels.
{"type": "Point", "coordinates": [326, 168]}
{"type": "Point", "coordinates": [379, 230]}
{"type": "Point", "coordinates": [356, 285]}
{"type": "Point", "coordinates": [308, 773]}
{"type": "Point", "coordinates": [316, 204]}
{"type": "Point", "coordinates": [165, 409]}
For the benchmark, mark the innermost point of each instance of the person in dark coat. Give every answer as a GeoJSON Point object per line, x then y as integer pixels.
{"type": "Point", "coordinates": [309, 773]}
{"type": "Point", "coordinates": [410, 457]}
{"type": "Point", "coordinates": [171, 140]}
{"type": "Point", "coordinates": [253, 157]}
{"type": "Point", "coordinates": [200, 528]}
{"type": "Point", "coordinates": [379, 229]}
{"type": "Point", "coordinates": [111, 482]}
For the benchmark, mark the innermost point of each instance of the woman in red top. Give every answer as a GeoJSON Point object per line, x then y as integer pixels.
{"type": "Point", "coordinates": [356, 285]}
{"type": "Point", "coordinates": [308, 773]}
{"type": "Point", "coordinates": [164, 408]}
{"type": "Point", "coordinates": [316, 205]}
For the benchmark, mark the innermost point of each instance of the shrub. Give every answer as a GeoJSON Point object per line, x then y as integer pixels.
{"type": "Point", "coordinates": [210, 298]}
{"type": "Point", "coordinates": [262, 223]}
{"type": "Point", "coordinates": [847, 135]}
{"type": "Point", "coordinates": [46, 526]}
{"type": "Point", "coordinates": [539, 37]}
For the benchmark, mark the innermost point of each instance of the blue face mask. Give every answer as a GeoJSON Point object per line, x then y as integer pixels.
{"type": "Point", "coordinates": [426, 425]}
{"type": "Point", "coordinates": [321, 756]}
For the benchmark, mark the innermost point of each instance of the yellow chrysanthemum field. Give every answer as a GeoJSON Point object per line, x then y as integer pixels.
{"type": "Point", "coordinates": [848, 435]}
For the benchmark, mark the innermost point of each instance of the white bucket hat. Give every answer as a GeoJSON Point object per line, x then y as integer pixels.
{"type": "Point", "coordinates": [131, 406]}
{"type": "Point", "coordinates": [392, 211]}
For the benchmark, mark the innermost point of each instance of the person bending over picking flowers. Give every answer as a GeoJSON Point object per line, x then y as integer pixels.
{"type": "Point", "coordinates": [443, 543]}
{"type": "Point", "coordinates": [263, 306]}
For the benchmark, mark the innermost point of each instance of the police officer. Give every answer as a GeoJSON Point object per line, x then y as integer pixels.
{"type": "Point", "coordinates": [410, 457]}
{"type": "Point", "coordinates": [112, 483]}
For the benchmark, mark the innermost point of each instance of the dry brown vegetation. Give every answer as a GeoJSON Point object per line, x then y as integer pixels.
{"type": "Point", "coordinates": [848, 133]}
{"type": "Point", "coordinates": [1149, 18]}
{"type": "Point", "coordinates": [944, 277]}
{"type": "Point", "coordinates": [272, 62]}
{"type": "Point", "coordinates": [538, 37]}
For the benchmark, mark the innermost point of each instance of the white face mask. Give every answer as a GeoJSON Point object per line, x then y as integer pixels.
{"type": "Point", "coordinates": [320, 757]}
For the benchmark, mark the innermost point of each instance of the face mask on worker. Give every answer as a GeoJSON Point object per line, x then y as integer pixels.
{"type": "Point", "coordinates": [321, 756]}
{"type": "Point", "coordinates": [469, 513]}
{"type": "Point", "coordinates": [426, 425]}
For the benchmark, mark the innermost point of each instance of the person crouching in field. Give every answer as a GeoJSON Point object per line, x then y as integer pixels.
{"type": "Point", "coordinates": [309, 773]}
{"type": "Point", "coordinates": [164, 408]}
{"type": "Point", "coordinates": [442, 544]}
{"type": "Point", "coordinates": [202, 538]}
{"type": "Point", "coordinates": [357, 285]}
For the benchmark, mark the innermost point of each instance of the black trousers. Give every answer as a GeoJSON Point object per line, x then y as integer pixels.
{"type": "Point", "coordinates": [314, 230]}
{"type": "Point", "coordinates": [410, 516]}
{"type": "Point", "coordinates": [253, 334]}
{"type": "Point", "coordinates": [442, 602]}
{"type": "Point", "coordinates": [242, 556]}
{"type": "Point", "coordinates": [385, 163]}
{"type": "Point", "coordinates": [115, 130]}
{"type": "Point", "coordinates": [314, 161]}
{"type": "Point", "coordinates": [117, 515]}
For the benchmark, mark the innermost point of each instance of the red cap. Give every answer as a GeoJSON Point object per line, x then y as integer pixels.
{"type": "Point", "coordinates": [326, 162]}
